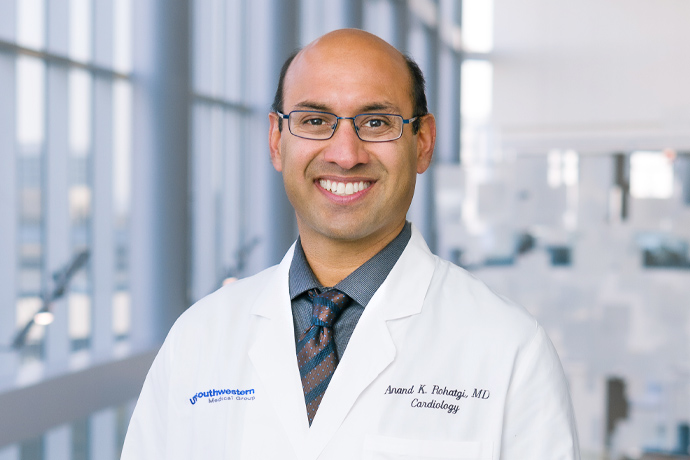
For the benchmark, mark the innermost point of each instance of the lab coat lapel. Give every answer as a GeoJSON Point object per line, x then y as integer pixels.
{"type": "Point", "coordinates": [274, 357]}
{"type": "Point", "coordinates": [371, 348]}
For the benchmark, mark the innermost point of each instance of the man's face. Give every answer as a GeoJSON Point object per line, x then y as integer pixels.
{"type": "Point", "coordinates": [348, 73]}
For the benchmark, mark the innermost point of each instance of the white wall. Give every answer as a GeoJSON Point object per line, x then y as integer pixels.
{"type": "Point", "coordinates": [592, 75]}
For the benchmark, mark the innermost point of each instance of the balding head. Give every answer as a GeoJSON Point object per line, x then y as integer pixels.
{"type": "Point", "coordinates": [351, 42]}
{"type": "Point", "coordinates": [359, 48]}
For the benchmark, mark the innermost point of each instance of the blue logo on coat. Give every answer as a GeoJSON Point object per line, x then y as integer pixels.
{"type": "Point", "coordinates": [215, 393]}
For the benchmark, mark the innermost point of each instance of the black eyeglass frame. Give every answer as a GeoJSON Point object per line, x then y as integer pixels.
{"type": "Point", "coordinates": [283, 116]}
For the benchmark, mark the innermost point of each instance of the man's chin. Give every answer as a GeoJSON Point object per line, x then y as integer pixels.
{"type": "Point", "coordinates": [350, 233]}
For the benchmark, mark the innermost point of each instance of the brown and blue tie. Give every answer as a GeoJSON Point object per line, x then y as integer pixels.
{"type": "Point", "coordinates": [316, 355]}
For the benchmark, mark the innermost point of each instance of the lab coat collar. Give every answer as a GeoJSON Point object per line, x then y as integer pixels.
{"type": "Point", "coordinates": [370, 349]}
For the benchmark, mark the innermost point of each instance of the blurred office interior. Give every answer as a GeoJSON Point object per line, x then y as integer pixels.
{"type": "Point", "coordinates": [134, 179]}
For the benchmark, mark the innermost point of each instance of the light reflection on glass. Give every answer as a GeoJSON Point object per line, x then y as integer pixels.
{"type": "Point", "coordinates": [554, 171]}
{"type": "Point", "coordinates": [234, 32]}
{"type": "Point", "coordinates": [31, 23]}
{"type": "Point", "coordinates": [122, 29]}
{"type": "Point", "coordinates": [121, 314]}
{"type": "Point", "coordinates": [476, 98]}
{"type": "Point", "coordinates": [80, 30]}
{"type": "Point", "coordinates": [79, 203]}
{"type": "Point", "coordinates": [571, 168]}
{"type": "Point", "coordinates": [651, 175]}
{"type": "Point", "coordinates": [30, 104]}
{"type": "Point", "coordinates": [476, 81]}
{"type": "Point", "coordinates": [80, 111]}
{"type": "Point", "coordinates": [477, 25]}
{"type": "Point", "coordinates": [79, 319]}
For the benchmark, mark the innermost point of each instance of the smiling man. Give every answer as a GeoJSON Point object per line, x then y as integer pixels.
{"type": "Point", "coordinates": [360, 343]}
{"type": "Point", "coordinates": [380, 150]}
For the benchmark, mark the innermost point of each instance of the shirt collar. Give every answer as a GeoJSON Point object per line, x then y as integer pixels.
{"type": "Point", "coordinates": [361, 284]}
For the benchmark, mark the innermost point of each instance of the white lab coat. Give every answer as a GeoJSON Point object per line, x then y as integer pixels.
{"type": "Point", "coordinates": [438, 366]}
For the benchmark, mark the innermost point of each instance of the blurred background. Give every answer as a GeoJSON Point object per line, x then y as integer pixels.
{"type": "Point", "coordinates": [134, 179]}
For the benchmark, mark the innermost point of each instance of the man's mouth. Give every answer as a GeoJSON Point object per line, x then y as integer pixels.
{"type": "Point", "coordinates": [343, 188]}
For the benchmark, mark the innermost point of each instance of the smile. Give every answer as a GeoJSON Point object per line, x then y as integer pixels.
{"type": "Point", "coordinates": [343, 188]}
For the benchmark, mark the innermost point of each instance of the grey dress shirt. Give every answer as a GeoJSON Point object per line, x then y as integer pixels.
{"type": "Point", "coordinates": [360, 286]}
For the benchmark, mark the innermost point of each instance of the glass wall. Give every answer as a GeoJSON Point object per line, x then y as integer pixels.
{"type": "Point", "coordinates": [219, 112]}
{"type": "Point", "coordinates": [65, 156]}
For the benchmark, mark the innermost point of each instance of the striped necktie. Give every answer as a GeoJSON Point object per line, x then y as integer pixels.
{"type": "Point", "coordinates": [316, 354]}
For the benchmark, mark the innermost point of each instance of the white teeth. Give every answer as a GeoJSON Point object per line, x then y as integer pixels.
{"type": "Point", "coordinates": [343, 188]}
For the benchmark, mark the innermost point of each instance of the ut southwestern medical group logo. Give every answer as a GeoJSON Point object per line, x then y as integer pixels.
{"type": "Point", "coordinates": [215, 396]}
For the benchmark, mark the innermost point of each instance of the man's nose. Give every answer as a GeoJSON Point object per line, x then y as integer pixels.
{"type": "Point", "coordinates": [346, 149]}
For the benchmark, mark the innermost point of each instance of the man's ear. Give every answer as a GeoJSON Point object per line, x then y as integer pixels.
{"type": "Point", "coordinates": [274, 135]}
{"type": "Point", "coordinates": [426, 139]}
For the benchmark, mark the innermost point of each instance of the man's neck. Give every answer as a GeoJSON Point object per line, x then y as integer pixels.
{"type": "Point", "coordinates": [331, 261]}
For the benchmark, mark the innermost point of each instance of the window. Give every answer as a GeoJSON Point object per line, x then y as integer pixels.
{"type": "Point", "coordinates": [72, 90]}
{"type": "Point", "coordinates": [562, 168]}
{"type": "Point", "coordinates": [219, 114]}
{"type": "Point", "coordinates": [651, 174]}
{"type": "Point", "coordinates": [65, 111]}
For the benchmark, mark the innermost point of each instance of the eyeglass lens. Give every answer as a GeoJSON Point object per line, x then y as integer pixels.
{"type": "Point", "coordinates": [375, 127]}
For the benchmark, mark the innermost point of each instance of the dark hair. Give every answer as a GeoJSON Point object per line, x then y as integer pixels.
{"type": "Point", "coordinates": [419, 104]}
{"type": "Point", "coordinates": [419, 107]}
{"type": "Point", "coordinates": [277, 105]}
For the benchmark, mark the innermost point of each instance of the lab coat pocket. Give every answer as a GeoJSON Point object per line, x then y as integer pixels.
{"type": "Point", "coordinates": [390, 448]}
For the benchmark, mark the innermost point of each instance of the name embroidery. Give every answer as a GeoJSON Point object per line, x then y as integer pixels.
{"type": "Point", "coordinates": [422, 402]}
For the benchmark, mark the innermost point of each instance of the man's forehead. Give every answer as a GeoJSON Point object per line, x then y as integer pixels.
{"type": "Point", "coordinates": [351, 40]}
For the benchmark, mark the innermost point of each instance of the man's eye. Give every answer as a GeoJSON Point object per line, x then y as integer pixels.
{"type": "Point", "coordinates": [374, 123]}
{"type": "Point", "coordinates": [314, 122]}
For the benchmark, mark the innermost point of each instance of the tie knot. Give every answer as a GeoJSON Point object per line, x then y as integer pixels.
{"type": "Point", "coordinates": [326, 307]}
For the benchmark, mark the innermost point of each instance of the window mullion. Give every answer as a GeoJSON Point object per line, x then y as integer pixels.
{"type": "Point", "coordinates": [102, 241]}
{"type": "Point", "coordinates": [9, 211]}
{"type": "Point", "coordinates": [56, 208]}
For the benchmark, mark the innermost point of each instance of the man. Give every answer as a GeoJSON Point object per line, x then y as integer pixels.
{"type": "Point", "coordinates": [361, 343]}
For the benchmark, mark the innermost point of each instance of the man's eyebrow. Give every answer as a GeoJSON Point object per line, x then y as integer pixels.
{"type": "Point", "coordinates": [374, 107]}
{"type": "Point", "coordinates": [310, 105]}
{"type": "Point", "coordinates": [379, 107]}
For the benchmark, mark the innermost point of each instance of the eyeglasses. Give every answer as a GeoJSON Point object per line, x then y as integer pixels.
{"type": "Point", "coordinates": [370, 127]}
